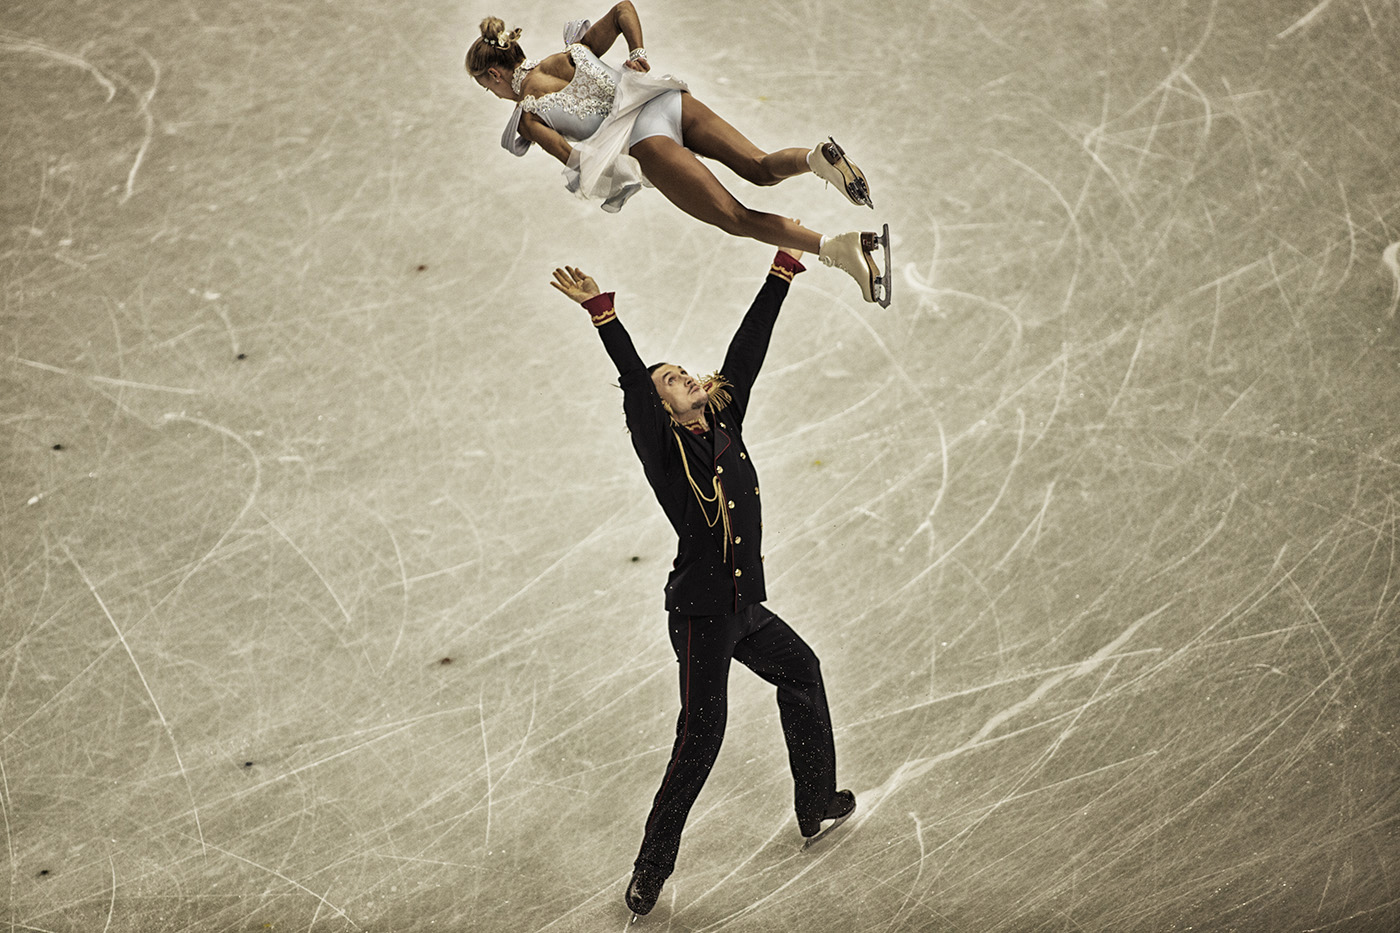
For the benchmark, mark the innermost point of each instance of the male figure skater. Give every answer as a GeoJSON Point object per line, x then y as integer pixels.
{"type": "Point", "coordinates": [686, 431]}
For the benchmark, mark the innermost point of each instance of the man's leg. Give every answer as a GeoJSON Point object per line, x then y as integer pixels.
{"type": "Point", "coordinates": [776, 653]}
{"type": "Point", "coordinates": [703, 647]}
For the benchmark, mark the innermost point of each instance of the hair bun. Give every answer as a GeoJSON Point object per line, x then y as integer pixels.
{"type": "Point", "coordinates": [493, 30]}
{"type": "Point", "coordinates": [491, 27]}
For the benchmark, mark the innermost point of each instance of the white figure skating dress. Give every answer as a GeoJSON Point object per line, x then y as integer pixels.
{"type": "Point", "coordinates": [603, 111]}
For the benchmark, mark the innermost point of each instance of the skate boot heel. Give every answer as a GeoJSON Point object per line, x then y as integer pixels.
{"type": "Point", "coordinates": [837, 812]}
{"type": "Point", "coordinates": [828, 161]}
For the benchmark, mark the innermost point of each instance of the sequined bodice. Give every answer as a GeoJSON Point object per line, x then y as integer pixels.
{"type": "Point", "coordinates": [577, 109]}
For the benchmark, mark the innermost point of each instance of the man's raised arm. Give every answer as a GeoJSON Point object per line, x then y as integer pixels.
{"type": "Point", "coordinates": [750, 342]}
{"type": "Point", "coordinates": [647, 420]}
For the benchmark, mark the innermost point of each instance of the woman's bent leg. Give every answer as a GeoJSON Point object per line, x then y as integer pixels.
{"type": "Point", "coordinates": [708, 134]}
{"type": "Point", "coordinates": [688, 184]}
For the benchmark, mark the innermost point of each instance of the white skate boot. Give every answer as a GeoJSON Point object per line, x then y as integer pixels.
{"type": "Point", "coordinates": [850, 252]}
{"type": "Point", "coordinates": [828, 161]}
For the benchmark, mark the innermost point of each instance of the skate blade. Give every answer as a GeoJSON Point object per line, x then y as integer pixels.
{"type": "Point", "coordinates": [856, 188]}
{"type": "Point", "coordinates": [813, 840]}
{"type": "Point", "coordinates": [879, 291]}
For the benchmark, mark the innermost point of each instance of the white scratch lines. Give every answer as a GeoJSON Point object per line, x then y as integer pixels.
{"type": "Point", "coordinates": [106, 380]}
{"type": "Point", "coordinates": [568, 552]}
{"type": "Point", "coordinates": [171, 418]}
{"type": "Point", "coordinates": [1005, 483]}
{"type": "Point", "coordinates": [1391, 258]}
{"type": "Point", "coordinates": [927, 523]}
{"type": "Point", "coordinates": [165, 724]}
{"type": "Point", "coordinates": [5, 806]}
{"type": "Point", "coordinates": [1306, 20]}
{"type": "Point", "coordinates": [345, 613]}
{"type": "Point", "coordinates": [11, 43]}
{"type": "Point", "coordinates": [111, 904]}
{"type": "Point", "coordinates": [292, 881]}
{"type": "Point", "coordinates": [403, 584]}
{"type": "Point", "coordinates": [912, 770]}
{"type": "Point", "coordinates": [144, 108]}
{"type": "Point", "coordinates": [1084, 667]}
{"type": "Point", "coordinates": [1035, 523]}
{"type": "Point", "coordinates": [485, 757]}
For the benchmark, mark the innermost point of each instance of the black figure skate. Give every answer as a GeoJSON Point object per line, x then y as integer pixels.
{"type": "Point", "coordinates": [838, 811]}
{"type": "Point", "coordinates": [851, 253]}
{"type": "Point", "coordinates": [828, 161]}
{"type": "Point", "coordinates": [643, 892]}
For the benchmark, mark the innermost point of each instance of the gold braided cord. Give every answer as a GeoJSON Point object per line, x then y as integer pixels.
{"type": "Point", "coordinates": [715, 387]}
{"type": "Point", "coordinates": [721, 513]}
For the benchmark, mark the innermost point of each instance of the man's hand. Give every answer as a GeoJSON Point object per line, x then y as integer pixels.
{"type": "Point", "coordinates": [575, 283]}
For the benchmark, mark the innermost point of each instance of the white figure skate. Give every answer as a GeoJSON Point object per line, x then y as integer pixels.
{"type": "Point", "coordinates": [851, 253]}
{"type": "Point", "coordinates": [828, 161]}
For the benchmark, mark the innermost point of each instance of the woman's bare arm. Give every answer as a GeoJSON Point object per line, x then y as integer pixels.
{"type": "Point", "coordinates": [537, 131]}
{"type": "Point", "coordinates": [621, 20]}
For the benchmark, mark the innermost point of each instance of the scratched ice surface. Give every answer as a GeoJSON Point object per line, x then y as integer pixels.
{"type": "Point", "coordinates": [330, 590]}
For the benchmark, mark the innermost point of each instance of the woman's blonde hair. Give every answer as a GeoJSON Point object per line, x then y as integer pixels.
{"type": "Point", "coordinates": [495, 48]}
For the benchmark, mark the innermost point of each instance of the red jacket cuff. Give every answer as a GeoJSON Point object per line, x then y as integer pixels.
{"type": "Point", "coordinates": [785, 266]}
{"type": "Point", "coordinates": [600, 308]}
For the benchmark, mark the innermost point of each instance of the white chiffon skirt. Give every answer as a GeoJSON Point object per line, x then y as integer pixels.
{"type": "Point", "coordinates": [599, 167]}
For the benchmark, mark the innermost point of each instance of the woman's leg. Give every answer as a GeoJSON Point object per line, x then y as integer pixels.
{"type": "Point", "coordinates": [687, 183]}
{"type": "Point", "coordinates": [706, 133]}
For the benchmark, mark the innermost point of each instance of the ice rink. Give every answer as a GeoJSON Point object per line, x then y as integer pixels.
{"type": "Point", "coordinates": [331, 589]}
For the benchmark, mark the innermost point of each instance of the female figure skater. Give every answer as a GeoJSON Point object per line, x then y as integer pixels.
{"type": "Point", "coordinates": [619, 130]}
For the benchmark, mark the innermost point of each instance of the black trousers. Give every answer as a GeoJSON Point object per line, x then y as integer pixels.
{"type": "Point", "coordinates": [765, 644]}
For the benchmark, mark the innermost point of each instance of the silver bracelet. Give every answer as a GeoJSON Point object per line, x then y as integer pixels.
{"type": "Point", "coordinates": [637, 53]}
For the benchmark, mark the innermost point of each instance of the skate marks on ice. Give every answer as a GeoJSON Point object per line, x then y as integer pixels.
{"type": "Point", "coordinates": [816, 851]}
{"type": "Point", "coordinates": [869, 801]}
{"type": "Point", "coordinates": [21, 46]}
{"type": "Point", "coordinates": [1391, 258]}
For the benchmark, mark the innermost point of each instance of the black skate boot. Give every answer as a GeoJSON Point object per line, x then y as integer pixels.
{"type": "Point", "coordinates": [643, 892]}
{"type": "Point", "coordinates": [838, 811]}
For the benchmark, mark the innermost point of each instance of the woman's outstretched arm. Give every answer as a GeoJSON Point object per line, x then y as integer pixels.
{"type": "Point", "coordinates": [621, 20]}
{"type": "Point", "coordinates": [537, 131]}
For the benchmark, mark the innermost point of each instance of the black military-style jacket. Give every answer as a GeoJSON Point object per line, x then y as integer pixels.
{"type": "Point", "coordinates": [706, 483]}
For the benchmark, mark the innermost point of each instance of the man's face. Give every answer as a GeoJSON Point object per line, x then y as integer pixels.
{"type": "Point", "coordinates": [679, 389]}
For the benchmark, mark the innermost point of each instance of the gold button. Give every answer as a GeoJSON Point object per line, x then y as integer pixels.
{"type": "Point", "coordinates": [755, 490]}
{"type": "Point", "coordinates": [738, 540]}
{"type": "Point", "coordinates": [760, 558]}
{"type": "Point", "coordinates": [721, 424]}
{"type": "Point", "coordinates": [738, 573]}
{"type": "Point", "coordinates": [731, 503]}
{"type": "Point", "coordinates": [743, 456]}
{"type": "Point", "coordinates": [719, 469]}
